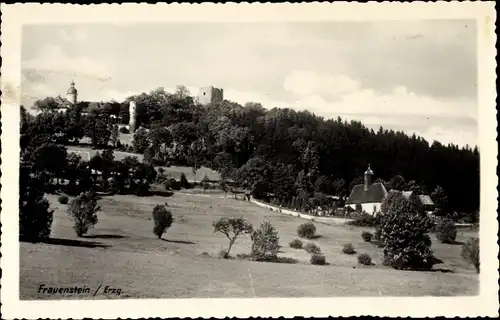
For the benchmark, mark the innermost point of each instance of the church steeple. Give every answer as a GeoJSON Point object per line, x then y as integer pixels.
{"type": "Point", "coordinates": [368, 178]}
{"type": "Point", "coordinates": [72, 93]}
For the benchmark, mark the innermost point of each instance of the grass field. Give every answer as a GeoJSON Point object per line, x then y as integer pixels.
{"type": "Point", "coordinates": [121, 251]}
{"type": "Point", "coordinates": [173, 171]}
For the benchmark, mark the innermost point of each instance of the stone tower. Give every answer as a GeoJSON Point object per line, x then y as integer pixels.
{"type": "Point", "coordinates": [368, 178]}
{"type": "Point", "coordinates": [72, 93]}
{"type": "Point", "coordinates": [209, 95]}
{"type": "Point", "coordinates": [132, 111]}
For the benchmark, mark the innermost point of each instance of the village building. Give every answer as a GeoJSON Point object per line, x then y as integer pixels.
{"type": "Point", "coordinates": [422, 202]}
{"type": "Point", "coordinates": [368, 196]}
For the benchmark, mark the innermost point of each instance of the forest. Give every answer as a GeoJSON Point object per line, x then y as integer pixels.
{"type": "Point", "coordinates": [279, 150]}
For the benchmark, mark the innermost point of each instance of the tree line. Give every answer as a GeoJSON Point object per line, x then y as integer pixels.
{"type": "Point", "coordinates": [286, 153]}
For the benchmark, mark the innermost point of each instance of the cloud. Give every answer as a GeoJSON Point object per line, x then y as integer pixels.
{"type": "Point", "coordinates": [76, 34]}
{"type": "Point", "coordinates": [399, 109]}
{"type": "Point", "coordinates": [304, 82]}
{"type": "Point", "coordinates": [315, 92]}
{"type": "Point", "coordinates": [51, 58]}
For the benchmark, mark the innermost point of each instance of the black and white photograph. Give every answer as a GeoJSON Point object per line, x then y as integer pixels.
{"type": "Point", "coordinates": [207, 159]}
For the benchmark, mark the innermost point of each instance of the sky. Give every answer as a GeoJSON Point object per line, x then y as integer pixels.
{"type": "Point", "coordinates": [417, 76]}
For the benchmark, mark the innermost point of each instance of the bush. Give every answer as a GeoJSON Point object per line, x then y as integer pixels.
{"type": "Point", "coordinates": [470, 252]}
{"type": "Point", "coordinates": [83, 209]}
{"type": "Point", "coordinates": [172, 184]}
{"type": "Point", "coordinates": [318, 259]}
{"type": "Point", "coordinates": [403, 234]}
{"type": "Point", "coordinates": [365, 220]}
{"type": "Point", "coordinates": [365, 259]}
{"type": "Point", "coordinates": [184, 182]}
{"type": "Point", "coordinates": [296, 244]}
{"type": "Point", "coordinates": [312, 248]}
{"type": "Point", "coordinates": [124, 130]}
{"type": "Point", "coordinates": [306, 230]}
{"type": "Point", "coordinates": [265, 242]}
{"type": "Point", "coordinates": [142, 189]}
{"type": "Point", "coordinates": [223, 254]}
{"type": "Point", "coordinates": [232, 228]}
{"type": "Point", "coordinates": [63, 199]}
{"type": "Point", "coordinates": [367, 236]}
{"type": "Point", "coordinates": [446, 231]}
{"type": "Point", "coordinates": [162, 219]}
{"type": "Point", "coordinates": [35, 215]}
{"type": "Point", "coordinates": [348, 249]}
{"type": "Point", "coordinates": [205, 182]}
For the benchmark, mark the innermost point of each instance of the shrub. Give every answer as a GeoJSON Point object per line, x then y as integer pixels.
{"type": "Point", "coordinates": [184, 182]}
{"type": "Point", "coordinates": [296, 244]}
{"type": "Point", "coordinates": [365, 220]}
{"type": "Point", "coordinates": [223, 254]}
{"type": "Point", "coordinates": [306, 230]}
{"type": "Point", "coordinates": [265, 242]}
{"type": "Point", "coordinates": [142, 189]}
{"type": "Point", "coordinates": [348, 249]}
{"type": "Point", "coordinates": [470, 252]}
{"type": "Point", "coordinates": [367, 236]}
{"type": "Point", "coordinates": [172, 184]}
{"type": "Point", "coordinates": [232, 228]}
{"type": "Point", "coordinates": [124, 130]}
{"type": "Point", "coordinates": [205, 182]}
{"type": "Point", "coordinates": [312, 248]}
{"type": "Point", "coordinates": [446, 231]}
{"type": "Point", "coordinates": [63, 199]}
{"type": "Point", "coordinates": [403, 234]}
{"type": "Point", "coordinates": [35, 215]}
{"type": "Point", "coordinates": [161, 178]}
{"type": "Point", "coordinates": [318, 259]}
{"type": "Point", "coordinates": [162, 219]}
{"type": "Point", "coordinates": [365, 259]}
{"type": "Point", "coordinates": [83, 209]}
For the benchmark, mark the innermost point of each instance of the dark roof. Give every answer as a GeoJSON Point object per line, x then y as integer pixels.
{"type": "Point", "coordinates": [426, 200]}
{"type": "Point", "coordinates": [375, 193]}
{"type": "Point", "coordinates": [422, 198]}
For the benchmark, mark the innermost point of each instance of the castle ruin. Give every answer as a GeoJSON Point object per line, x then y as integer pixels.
{"type": "Point", "coordinates": [209, 95]}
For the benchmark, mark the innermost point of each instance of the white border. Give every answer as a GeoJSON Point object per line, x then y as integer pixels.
{"type": "Point", "coordinates": [14, 16]}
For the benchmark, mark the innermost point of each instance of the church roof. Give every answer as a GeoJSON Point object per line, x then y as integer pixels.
{"type": "Point", "coordinates": [375, 193]}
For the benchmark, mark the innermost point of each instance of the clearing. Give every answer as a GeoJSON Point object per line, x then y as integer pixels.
{"type": "Point", "coordinates": [122, 252]}
{"type": "Point", "coordinates": [173, 171]}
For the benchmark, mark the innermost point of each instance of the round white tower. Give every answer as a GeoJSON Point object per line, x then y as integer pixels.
{"type": "Point", "coordinates": [132, 111]}
{"type": "Point", "coordinates": [72, 93]}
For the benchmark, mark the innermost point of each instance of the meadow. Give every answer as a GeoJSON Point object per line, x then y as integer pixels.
{"type": "Point", "coordinates": [172, 171]}
{"type": "Point", "coordinates": [121, 251]}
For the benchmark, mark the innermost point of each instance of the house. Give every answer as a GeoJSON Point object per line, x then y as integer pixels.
{"type": "Point", "coordinates": [423, 202]}
{"type": "Point", "coordinates": [368, 195]}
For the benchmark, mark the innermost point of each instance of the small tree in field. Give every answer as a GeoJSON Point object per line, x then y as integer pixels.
{"type": "Point", "coordinates": [232, 227]}
{"type": "Point", "coordinates": [403, 234]}
{"type": "Point", "coordinates": [265, 242]}
{"type": "Point", "coordinates": [83, 209]}
{"type": "Point", "coordinates": [184, 182]}
{"type": "Point", "coordinates": [205, 183]}
{"type": "Point", "coordinates": [223, 186]}
{"type": "Point", "coordinates": [446, 231]}
{"type": "Point", "coordinates": [306, 230]}
{"type": "Point", "coordinates": [162, 219]}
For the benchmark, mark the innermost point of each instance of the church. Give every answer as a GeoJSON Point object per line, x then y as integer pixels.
{"type": "Point", "coordinates": [369, 195]}
{"type": "Point", "coordinates": [71, 98]}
